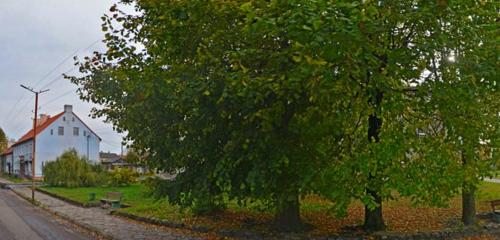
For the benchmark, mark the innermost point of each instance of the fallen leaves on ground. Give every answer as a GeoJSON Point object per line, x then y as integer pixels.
{"type": "Point", "coordinates": [400, 217]}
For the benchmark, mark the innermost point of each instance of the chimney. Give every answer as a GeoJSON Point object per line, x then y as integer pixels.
{"type": "Point", "coordinates": [68, 108]}
{"type": "Point", "coordinates": [43, 118]}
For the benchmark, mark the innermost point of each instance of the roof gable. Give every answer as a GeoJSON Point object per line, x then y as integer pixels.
{"type": "Point", "coordinates": [29, 135]}
{"type": "Point", "coordinates": [84, 124]}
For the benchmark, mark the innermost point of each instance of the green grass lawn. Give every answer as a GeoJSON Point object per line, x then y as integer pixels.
{"type": "Point", "coordinates": [488, 191]}
{"type": "Point", "coordinates": [136, 196]}
{"type": "Point", "coordinates": [133, 195]}
{"type": "Point", "coordinates": [400, 213]}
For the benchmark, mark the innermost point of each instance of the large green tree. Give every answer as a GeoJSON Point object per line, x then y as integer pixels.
{"type": "Point", "coordinates": [272, 100]}
{"type": "Point", "coordinates": [462, 92]}
{"type": "Point", "coordinates": [391, 71]}
{"type": "Point", "coordinates": [225, 91]}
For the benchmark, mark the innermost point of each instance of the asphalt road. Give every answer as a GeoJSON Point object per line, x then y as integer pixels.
{"type": "Point", "coordinates": [21, 221]}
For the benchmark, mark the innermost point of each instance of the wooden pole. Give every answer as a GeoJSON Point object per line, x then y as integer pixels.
{"type": "Point", "coordinates": [33, 152]}
{"type": "Point", "coordinates": [34, 149]}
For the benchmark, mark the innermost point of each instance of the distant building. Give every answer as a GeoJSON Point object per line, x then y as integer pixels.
{"type": "Point", "coordinates": [111, 161]}
{"type": "Point", "coordinates": [54, 136]}
{"type": "Point", "coordinates": [107, 159]}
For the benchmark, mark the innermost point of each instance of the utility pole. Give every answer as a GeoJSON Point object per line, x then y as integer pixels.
{"type": "Point", "coordinates": [34, 139]}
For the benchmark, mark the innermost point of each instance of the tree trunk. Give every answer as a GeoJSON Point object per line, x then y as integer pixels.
{"type": "Point", "coordinates": [374, 220]}
{"type": "Point", "coordinates": [288, 213]}
{"type": "Point", "coordinates": [468, 199]}
{"type": "Point", "coordinates": [468, 207]}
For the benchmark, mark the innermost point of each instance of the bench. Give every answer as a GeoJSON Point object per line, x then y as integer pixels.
{"type": "Point", "coordinates": [112, 199]}
{"type": "Point", "coordinates": [496, 213]}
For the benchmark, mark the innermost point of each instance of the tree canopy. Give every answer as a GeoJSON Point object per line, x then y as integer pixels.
{"type": "Point", "coordinates": [273, 100]}
{"type": "Point", "coordinates": [3, 141]}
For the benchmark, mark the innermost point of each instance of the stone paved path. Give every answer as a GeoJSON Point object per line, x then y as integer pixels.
{"type": "Point", "coordinates": [99, 219]}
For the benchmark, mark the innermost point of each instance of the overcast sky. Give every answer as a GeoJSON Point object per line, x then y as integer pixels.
{"type": "Point", "coordinates": [35, 37]}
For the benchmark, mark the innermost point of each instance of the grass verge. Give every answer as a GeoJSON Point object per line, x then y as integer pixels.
{"type": "Point", "coordinates": [400, 215]}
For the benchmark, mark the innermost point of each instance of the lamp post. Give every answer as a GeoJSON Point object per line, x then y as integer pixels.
{"type": "Point", "coordinates": [34, 139]}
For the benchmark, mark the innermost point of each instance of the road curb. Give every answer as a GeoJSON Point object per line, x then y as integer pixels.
{"type": "Point", "coordinates": [82, 225]}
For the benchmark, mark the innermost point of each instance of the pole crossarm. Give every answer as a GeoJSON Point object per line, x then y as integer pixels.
{"type": "Point", "coordinates": [33, 91]}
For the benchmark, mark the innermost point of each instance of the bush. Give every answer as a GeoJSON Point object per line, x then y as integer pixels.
{"type": "Point", "coordinates": [122, 177]}
{"type": "Point", "coordinates": [102, 174]}
{"type": "Point", "coordinates": [70, 170]}
{"type": "Point", "coordinates": [170, 189]}
{"type": "Point", "coordinates": [207, 206]}
{"type": "Point", "coordinates": [158, 188]}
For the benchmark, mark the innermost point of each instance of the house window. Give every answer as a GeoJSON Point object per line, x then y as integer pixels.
{"type": "Point", "coordinates": [60, 131]}
{"type": "Point", "coordinates": [84, 133]}
{"type": "Point", "coordinates": [76, 131]}
{"type": "Point", "coordinates": [64, 119]}
{"type": "Point", "coordinates": [51, 131]}
{"type": "Point", "coordinates": [73, 119]}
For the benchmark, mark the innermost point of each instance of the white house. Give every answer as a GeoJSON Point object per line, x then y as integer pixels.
{"type": "Point", "coordinates": [54, 135]}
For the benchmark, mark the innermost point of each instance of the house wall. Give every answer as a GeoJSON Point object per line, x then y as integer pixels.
{"type": "Point", "coordinates": [9, 160]}
{"type": "Point", "coordinates": [5, 161]}
{"type": "Point", "coordinates": [50, 144]}
{"type": "Point", "coordinates": [19, 151]}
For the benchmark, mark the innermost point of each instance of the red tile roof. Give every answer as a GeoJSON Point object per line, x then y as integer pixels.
{"type": "Point", "coordinates": [39, 129]}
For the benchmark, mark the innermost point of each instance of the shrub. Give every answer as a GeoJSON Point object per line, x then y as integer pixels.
{"type": "Point", "coordinates": [158, 188]}
{"type": "Point", "coordinates": [207, 206]}
{"type": "Point", "coordinates": [102, 174]}
{"type": "Point", "coordinates": [169, 189]}
{"type": "Point", "coordinates": [70, 170]}
{"type": "Point", "coordinates": [121, 177]}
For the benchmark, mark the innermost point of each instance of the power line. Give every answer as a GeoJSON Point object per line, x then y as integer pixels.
{"type": "Point", "coordinates": [12, 109]}
{"type": "Point", "coordinates": [73, 68]}
{"type": "Point", "coordinates": [9, 119]}
{"type": "Point", "coordinates": [56, 98]}
{"type": "Point", "coordinates": [18, 113]}
{"type": "Point", "coordinates": [56, 67]}
{"type": "Point", "coordinates": [59, 77]}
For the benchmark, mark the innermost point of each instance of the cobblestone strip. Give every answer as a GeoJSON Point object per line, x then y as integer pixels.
{"type": "Point", "coordinates": [99, 220]}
